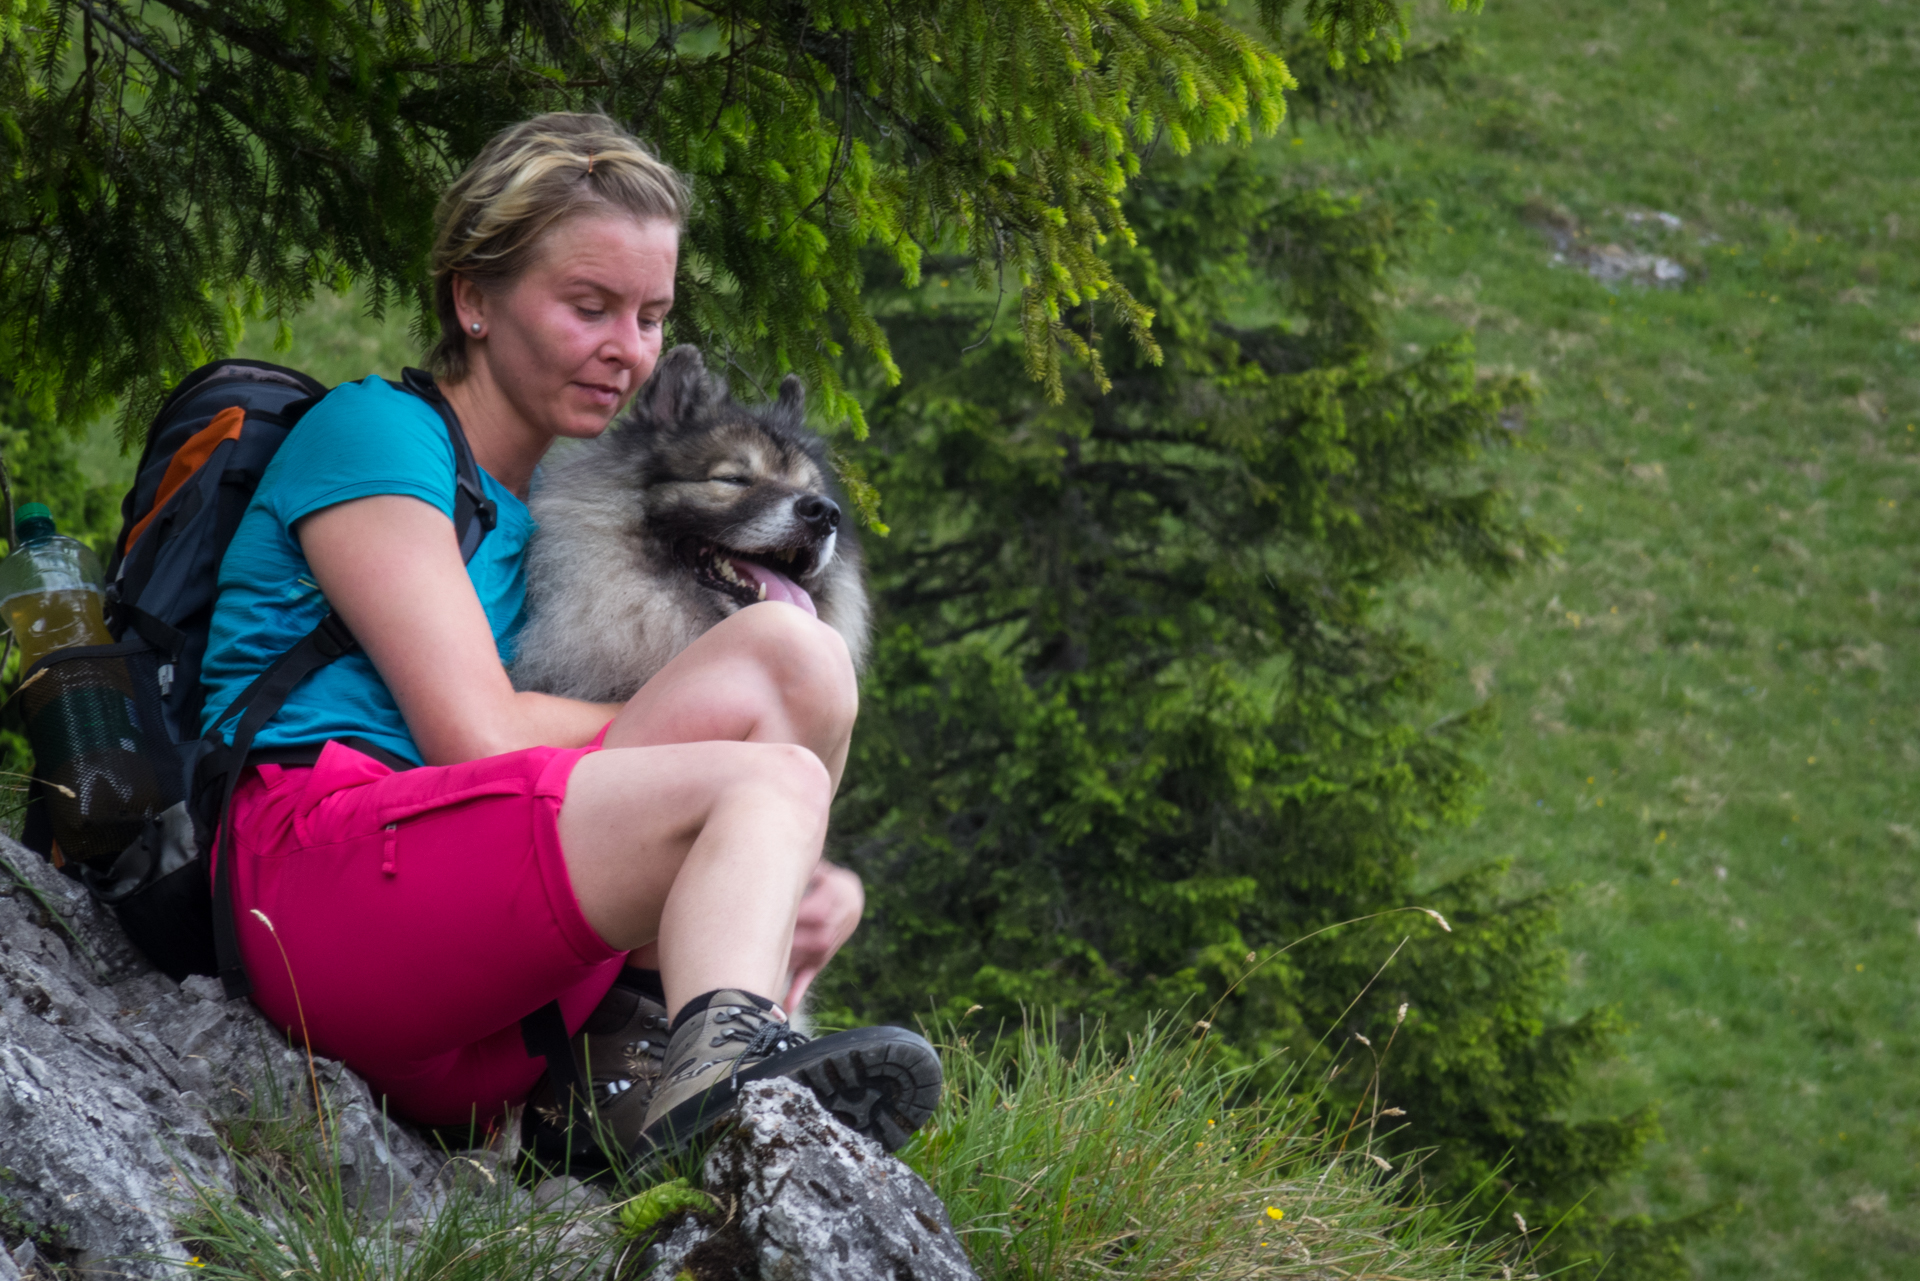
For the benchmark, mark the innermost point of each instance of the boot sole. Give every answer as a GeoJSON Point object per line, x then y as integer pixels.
{"type": "Point", "coordinates": [883, 1082]}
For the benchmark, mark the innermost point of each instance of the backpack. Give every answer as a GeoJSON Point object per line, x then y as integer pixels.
{"type": "Point", "coordinates": [159, 798]}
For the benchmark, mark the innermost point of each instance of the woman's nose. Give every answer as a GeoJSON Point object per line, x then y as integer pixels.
{"type": "Point", "coordinates": [626, 346]}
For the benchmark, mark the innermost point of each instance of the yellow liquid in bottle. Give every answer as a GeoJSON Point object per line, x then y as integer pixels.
{"type": "Point", "coordinates": [45, 621]}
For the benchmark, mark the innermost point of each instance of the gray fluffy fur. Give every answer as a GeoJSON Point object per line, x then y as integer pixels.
{"type": "Point", "coordinates": [618, 578]}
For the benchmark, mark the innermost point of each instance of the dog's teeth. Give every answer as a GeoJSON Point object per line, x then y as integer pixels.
{"type": "Point", "coordinates": [762, 587]}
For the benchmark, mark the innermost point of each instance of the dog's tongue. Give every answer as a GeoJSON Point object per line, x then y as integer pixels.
{"type": "Point", "coordinates": [774, 585]}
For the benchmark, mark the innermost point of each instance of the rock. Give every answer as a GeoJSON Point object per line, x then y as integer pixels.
{"type": "Point", "coordinates": [563, 1192]}
{"type": "Point", "coordinates": [668, 1258]}
{"type": "Point", "coordinates": [112, 1077]}
{"type": "Point", "coordinates": [1609, 263]}
{"type": "Point", "coordinates": [804, 1197]}
{"type": "Point", "coordinates": [1671, 222]}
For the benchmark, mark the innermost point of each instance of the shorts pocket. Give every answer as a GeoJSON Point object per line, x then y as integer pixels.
{"type": "Point", "coordinates": [350, 796]}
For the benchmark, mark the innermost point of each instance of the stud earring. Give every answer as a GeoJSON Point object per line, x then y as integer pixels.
{"type": "Point", "coordinates": [475, 326]}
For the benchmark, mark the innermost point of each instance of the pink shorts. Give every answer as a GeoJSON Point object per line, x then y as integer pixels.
{"type": "Point", "coordinates": [422, 914]}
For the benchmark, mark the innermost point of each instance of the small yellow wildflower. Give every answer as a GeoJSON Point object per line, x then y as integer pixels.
{"type": "Point", "coordinates": [1276, 1215]}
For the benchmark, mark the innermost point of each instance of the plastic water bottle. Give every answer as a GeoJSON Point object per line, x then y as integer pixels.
{"type": "Point", "coordinates": [100, 786]}
{"type": "Point", "coordinates": [50, 589]}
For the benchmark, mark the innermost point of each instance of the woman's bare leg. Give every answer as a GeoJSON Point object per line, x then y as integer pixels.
{"type": "Point", "coordinates": [768, 674]}
{"type": "Point", "coordinates": [667, 841]}
{"type": "Point", "coordinates": [707, 847]}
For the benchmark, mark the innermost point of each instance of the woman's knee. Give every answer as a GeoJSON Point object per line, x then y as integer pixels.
{"type": "Point", "coordinates": [806, 662]}
{"type": "Point", "coordinates": [785, 774]}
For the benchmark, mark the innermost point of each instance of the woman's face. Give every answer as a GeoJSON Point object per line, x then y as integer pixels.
{"type": "Point", "coordinates": [572, 339]}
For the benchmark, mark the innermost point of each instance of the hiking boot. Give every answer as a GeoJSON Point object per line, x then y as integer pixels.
{"type": "Point", "coordinates": [880, 1081]}
{"type": "Point", "coordinates": [623, 1045]}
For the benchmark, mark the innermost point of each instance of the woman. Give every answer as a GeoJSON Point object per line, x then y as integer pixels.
{"type": "Point", "coordinates": [654, 866]}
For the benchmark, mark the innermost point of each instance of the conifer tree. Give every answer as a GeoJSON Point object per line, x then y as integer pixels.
{"type": "Point", "coordinates": [1139, 736]}
{"type": "Point", "coordinates": [178, 166]}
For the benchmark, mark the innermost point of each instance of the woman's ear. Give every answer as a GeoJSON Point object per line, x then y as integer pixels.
{"type": "Point", "coordinates": [470, 305]}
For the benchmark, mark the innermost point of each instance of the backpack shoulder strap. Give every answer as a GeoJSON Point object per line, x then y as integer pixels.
{"type": "Point", "coordinates": [474, 514]}
{"type": "Point", "coordinates": [261, 700]}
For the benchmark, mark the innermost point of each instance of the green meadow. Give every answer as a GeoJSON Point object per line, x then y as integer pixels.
{"type": "Point", "coordinates": [1709, 700]}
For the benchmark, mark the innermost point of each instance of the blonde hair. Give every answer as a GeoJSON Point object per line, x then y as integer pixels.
{"type": "Point", "coordinates": [490, 222]}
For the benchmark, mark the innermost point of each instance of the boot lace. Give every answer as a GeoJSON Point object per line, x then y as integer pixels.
{"type": "Point", "coordinates": [769, 1038]}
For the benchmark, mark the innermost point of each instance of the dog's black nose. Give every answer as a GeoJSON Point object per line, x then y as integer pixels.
{"type": "Point", "coordinates": [822, 515]}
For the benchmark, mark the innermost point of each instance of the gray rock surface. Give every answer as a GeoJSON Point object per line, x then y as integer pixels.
{"type": "Point", "coordinates": [1609, 263]}
{"type": "Point", "coordinates": [112, 1077]}
{"type": "Point", "coordinates": [805, 1198]}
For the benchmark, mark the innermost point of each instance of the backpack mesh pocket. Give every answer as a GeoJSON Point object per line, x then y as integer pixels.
{"type": "Point", "coordinates": [101, 752]}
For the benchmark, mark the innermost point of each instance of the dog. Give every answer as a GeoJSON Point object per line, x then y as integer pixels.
{"type": "Point", "coordinates": [691, 508]}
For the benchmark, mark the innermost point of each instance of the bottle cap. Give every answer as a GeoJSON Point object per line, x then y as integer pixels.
{"type": "Point", "coordinates": [32, 522]}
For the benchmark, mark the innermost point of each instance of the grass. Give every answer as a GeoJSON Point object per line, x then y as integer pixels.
{"type": "Point", "coordinates": [291, 1219]}
{"type": "Point", "coordinates": [1708, 717]}
{"type": "Point", "coordinates": [291, 1216]}
{"type": "Point", "coordinates": [1146, 1163]}
{"type": "Point", "coordinates": [1142, 1163]}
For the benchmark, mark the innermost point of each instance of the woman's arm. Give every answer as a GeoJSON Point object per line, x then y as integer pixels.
{"type": "Point", "coordinates": [391, 567]}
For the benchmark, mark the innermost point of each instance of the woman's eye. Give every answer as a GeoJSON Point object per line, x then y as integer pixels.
{"type": "Point", "coordinates": [591, 313]}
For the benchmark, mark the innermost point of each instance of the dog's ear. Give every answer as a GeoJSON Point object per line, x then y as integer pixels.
{"type": "Point", "coordinates": [679, 389]}
{"type": "Point", "coordinates": [792, 403]}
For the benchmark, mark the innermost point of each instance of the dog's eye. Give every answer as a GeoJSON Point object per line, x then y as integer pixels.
{"type": "Point", "coordinates": [730, 480]}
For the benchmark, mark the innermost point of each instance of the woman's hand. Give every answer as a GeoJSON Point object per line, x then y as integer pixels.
{"type": "Point", "coordinates": [829, 911]}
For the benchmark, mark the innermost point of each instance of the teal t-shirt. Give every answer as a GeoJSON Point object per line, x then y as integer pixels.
{"type": "Point", "coordinates": [362, 439]}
